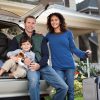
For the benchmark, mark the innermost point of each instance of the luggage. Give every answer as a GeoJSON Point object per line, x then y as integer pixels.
{"type": "Point", "coordinates": [98, 87]}
{"type": "Point", "coordinates": [91, 88]}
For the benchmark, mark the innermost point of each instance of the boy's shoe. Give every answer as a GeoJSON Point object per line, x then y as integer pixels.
{"type": "Point", "coordinates": [4, 76]}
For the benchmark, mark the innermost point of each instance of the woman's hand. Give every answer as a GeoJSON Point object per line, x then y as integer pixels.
{"type": "Point", "coordinates": [88, 52]}
{"type": "Point", "coordinates": [14, 58]}
{"type": "Point", "coordinates": [34, 66]}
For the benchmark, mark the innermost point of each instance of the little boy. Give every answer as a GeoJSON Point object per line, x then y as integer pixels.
{"type": "Point", "coordinates": [18, 70]}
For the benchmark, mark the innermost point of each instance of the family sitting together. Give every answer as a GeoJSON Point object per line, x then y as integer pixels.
{"type": "Point", "coordinates": [28, 56]}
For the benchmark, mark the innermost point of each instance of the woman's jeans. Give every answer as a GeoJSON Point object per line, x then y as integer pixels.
{"type": "Point", "coordinates": [49, 74]}
{"type": "Point", "coordinates": [68, 76]}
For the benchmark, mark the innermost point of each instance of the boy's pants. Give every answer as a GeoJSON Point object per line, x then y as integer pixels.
{"type": "Point", "coordinates": [18, 71]}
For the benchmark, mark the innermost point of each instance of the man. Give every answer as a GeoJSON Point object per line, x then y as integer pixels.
{"type": "Point", "coordinates": [40, 67]}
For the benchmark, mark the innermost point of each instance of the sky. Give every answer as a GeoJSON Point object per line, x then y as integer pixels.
{"type": "Point", "coordinates": [77, 1]}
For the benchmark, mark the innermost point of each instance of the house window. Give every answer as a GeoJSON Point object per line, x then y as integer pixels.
{"type": "Point", "coordinates": [66, 3]}
{"type": "Point", "coordinates": [94, 48]}
{"type": "Point", "coordinates": [92, 43]}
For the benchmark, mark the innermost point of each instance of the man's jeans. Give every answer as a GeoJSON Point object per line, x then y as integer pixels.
{"type": "Point", "coordinates": [49, 74]}
{"type": "Point", "coordinates": [68, 76]}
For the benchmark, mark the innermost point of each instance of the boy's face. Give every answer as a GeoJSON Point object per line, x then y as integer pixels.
{"type": "Point", "coordinates": [26, 46]}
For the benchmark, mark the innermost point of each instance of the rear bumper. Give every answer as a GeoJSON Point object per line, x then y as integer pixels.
{"type": "Point", "coordinates": [19, 88]}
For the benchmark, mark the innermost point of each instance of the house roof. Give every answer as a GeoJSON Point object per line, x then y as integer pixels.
{"type": "Point", "coordinates": [92, 4]}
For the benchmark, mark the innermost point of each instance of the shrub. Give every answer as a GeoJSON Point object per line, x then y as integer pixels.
{"type": "Point", "coordinates": [78, 88]}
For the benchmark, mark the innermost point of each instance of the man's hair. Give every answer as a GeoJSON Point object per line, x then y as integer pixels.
{"type": "Point", "coordinates": [25, 39]}
{"type": "Point", "coordinates": [30, 16]}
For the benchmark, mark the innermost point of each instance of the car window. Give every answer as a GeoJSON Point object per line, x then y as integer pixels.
{"type": "Point", "coordinates": [7, 31]}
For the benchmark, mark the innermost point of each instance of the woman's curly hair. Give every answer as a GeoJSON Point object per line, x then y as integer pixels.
{"type": "Point", "coordinates": [63, 25]}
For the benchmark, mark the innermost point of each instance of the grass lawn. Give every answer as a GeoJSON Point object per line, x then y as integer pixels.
{"type": "Point", "coordinates": [78, 98]}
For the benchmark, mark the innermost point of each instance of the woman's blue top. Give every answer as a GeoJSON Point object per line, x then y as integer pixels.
{"type": "Point", "coordinates": [62, 48]}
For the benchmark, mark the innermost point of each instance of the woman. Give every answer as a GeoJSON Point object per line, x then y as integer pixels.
{"type": "Point", "coordinates": [62, 48]}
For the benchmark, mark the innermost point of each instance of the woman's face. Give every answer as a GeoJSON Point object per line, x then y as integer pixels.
{"type": "Point", "coordinates": [55, 22]}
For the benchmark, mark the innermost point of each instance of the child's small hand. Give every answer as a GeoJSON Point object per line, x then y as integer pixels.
{"type": "Point", "coordinates": [27, 61]}
{"type": "Point", "coordinates": [14, 58]}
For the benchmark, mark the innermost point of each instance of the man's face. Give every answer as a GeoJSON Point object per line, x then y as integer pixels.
{"type": "Point", "coordinates": [30, 25]}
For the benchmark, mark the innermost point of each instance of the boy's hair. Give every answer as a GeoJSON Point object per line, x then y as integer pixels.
{"type": "Point", "coordinates": [25, 39]}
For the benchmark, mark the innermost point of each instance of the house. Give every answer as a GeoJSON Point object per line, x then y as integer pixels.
{"type": "Point", "coordinates": [91, 7]}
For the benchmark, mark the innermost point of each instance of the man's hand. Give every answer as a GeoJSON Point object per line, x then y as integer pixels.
{"type": "Point", "coordinates": [34, 66]}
